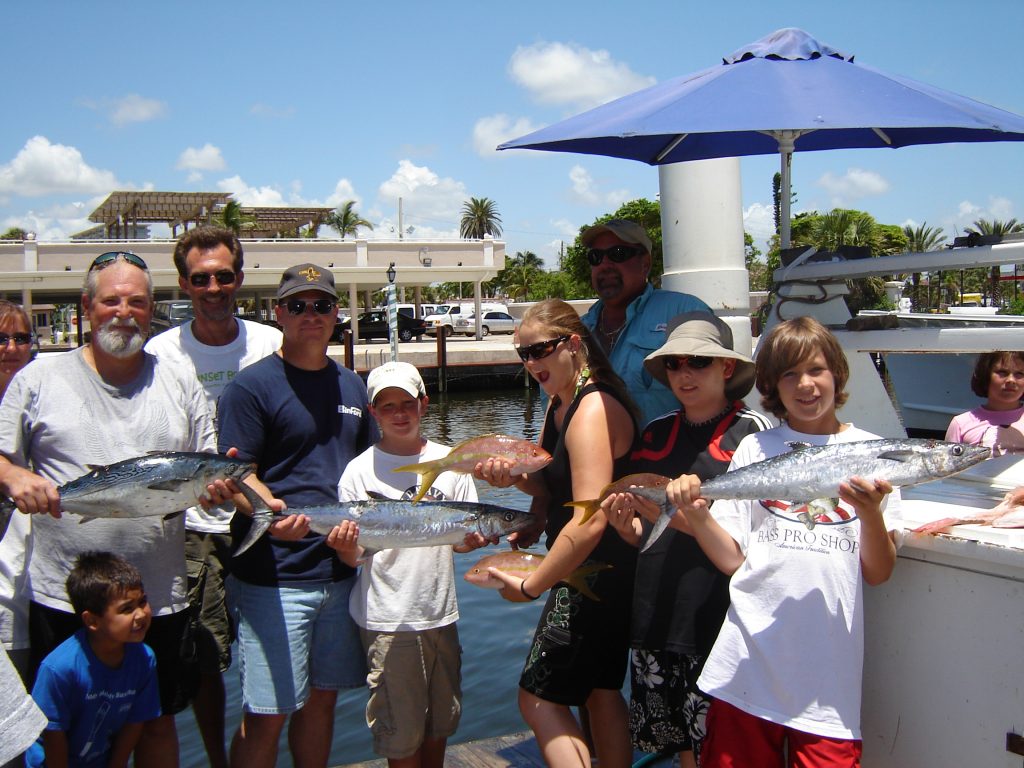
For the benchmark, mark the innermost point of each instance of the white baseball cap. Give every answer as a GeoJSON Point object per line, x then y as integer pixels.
{"type": "Point", "coordinates": [395, 374]}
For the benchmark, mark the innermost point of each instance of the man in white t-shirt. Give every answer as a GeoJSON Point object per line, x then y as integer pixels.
{"type": "Point", "coordinates": [215, 345]}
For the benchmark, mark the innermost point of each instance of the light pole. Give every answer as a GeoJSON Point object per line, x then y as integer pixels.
{"type": "Point", "coordinates": [392, 311]}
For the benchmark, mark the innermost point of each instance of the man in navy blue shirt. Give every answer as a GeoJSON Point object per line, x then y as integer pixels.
{"type": "Point", "coordinates": [301, 418]}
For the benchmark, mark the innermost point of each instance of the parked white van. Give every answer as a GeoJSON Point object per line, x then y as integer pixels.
{"type": "Point", "coordinates": [444, 319]}
{"type": "Point", "coordinates": [409, 310]}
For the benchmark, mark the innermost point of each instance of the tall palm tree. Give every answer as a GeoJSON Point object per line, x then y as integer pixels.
{"type": "Point", "coordinates": [923, 238]}
{"type": "Point", "coordinates": [995, 227]}
{"type": "Point", "coordinates": [479, 217]}
{"type": "Point", "coordinates": [520, 271]}
{"type": "Point", "coordinates": [345, 220]}
{"type": "Point", "coordinates": [231, 217]}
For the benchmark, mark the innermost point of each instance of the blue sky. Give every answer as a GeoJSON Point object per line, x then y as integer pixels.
{"type": "Point", "coordinates": [313, 103]}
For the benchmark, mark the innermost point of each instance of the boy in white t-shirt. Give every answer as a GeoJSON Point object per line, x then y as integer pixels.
{"type": "Point", "coordinates": [787, 664]}
{"type": "Point", "coordinates": [404, 599]}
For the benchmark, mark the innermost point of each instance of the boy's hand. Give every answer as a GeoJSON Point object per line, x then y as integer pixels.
{"type": "Point", "coordinates": [496, 472]}
{"type": "Point", "coordinates": [620, 509]}
{"type": "Point", "coordinates": [290, 527]}
{"type": "Point", "coordinates": [344, 537]}
{"type": "Point", "coordinates": [684, 493]}
{"type": "Point", "coordinates": [864, 495]}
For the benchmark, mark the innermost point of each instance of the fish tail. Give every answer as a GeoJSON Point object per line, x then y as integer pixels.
{"type": "Point", "coordinates": [421, 468]}
{"type": "Point", "coordinates": [589, 507]}
{"type": "Point", "coordinates": [578, 579]}
{"type": "Point", "coordinates": [262, 517]}
{"type": "Point", "coordinates": [660, 525]}
{"type": "Point", "coordinates": [426, 479]}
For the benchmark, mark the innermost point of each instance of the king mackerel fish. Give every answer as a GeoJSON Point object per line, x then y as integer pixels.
{"type": "Point", "coordinates": [155, 485]}
{"type": "Point", "coordinates": [811, 472]}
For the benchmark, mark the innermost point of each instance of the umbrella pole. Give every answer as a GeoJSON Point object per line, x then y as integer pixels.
{"type": "Point", "coordinates": [787, 140]}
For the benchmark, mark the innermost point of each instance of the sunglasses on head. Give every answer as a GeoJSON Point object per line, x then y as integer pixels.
{"type": "Point", "coordinates": [202, 279]}
{"type": "Point", "coordinates": [541, 349]}
{"type": "Point", "coordinates": [20, 339]}
{"type": "Point", "coordinates": [320, 306]}
{"type": "Point", "coordinates": [617, 253]}
{"type": "Point", "coordinates": [110, 257]}
{"type": "Point", "coordinates": [693, 362]}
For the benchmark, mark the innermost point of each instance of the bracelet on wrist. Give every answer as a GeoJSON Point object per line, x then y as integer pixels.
{"type": "Point", "coordinates": [527, 595]}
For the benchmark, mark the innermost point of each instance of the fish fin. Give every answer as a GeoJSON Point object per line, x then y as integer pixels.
{"type": "Point", "coordinates": [419, 468]}
{"type": "Point", "coordinates": [377, 496]}
{"type": "Point", "coordinates": [259, 504]}
{"type": "Point", "coordinates": [578, 579]}
{"type": "Point", "coordinates": [798, 445]}
{"type": "Point", "coordinates": [589, 507]}
{"type": "Point", "coordinates": [173, 515]}
{"type": "Point", "coordinates": [659, 526]}
{"type": "Point", "coordinates": [166, 485]}
{"type": "Point", "coordinates": [897, 455]}
{"type": "Point", "coordinates": [426, 479]}
{"type": "Point", "coordinates": [262, 517]}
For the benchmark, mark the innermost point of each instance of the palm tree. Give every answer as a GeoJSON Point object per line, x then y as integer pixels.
{"type": "Point", "coordinates": [231, 217]}
{"type": "Point", "coordinates": [520, 271]}
{"type": "Point", "coordinates": [923, 238]}
{"type": "Point", "coordinates": [479, 217]}
{"type": "Point", "coordinates": [345, 220]}
{"type": "Point", "coordinates": [995, 227]}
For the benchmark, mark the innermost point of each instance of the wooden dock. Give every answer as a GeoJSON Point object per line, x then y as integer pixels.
{"type": "Point", "coordinates": [516, 750]}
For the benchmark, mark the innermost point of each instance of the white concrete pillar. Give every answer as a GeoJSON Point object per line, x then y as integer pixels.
{"type": "Point", "coordinates": [31, 265]}
{"type": "Point", "coordinates": [702, 237]}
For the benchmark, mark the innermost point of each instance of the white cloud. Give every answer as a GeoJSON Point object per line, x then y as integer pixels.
{"type": "Point", "coordinates": [56, 222]}
{"type": "Point", "coordinates": [492, 130]}
{"type": "Point", "coordinates": [254, 196]}
{"type": "Point", "coordinates": [759, 223]}
{"type": "Point", "coordinates": [425, 195]}
{"type": "Point", "coordinates": [997, 208]}
{"type": "Point", "coordinates": [856, 183]}
{"type": "Point", "coordinates": [569, 74]}
{"type": "Point", "coordinates": [586, 191]}
{"type": "Point", "coordinates": [204, 158]}
{"type": "Point", "coordinates": [343, 191]}
{"type": "Point", "coordinates": [134, 108]}
{"type": "Point", "coordinates": [41, 168]}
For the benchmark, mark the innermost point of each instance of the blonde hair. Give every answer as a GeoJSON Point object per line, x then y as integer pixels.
{"type": "Point", "coordinates": [786, 346]}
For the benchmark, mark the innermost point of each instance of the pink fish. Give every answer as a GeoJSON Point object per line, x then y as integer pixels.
{"type": "Point", "coordinates": [522, 564]}
{"type": "Point", "coordinates": [1008, 513]}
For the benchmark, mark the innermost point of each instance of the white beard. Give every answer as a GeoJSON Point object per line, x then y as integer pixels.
{"type": "Point", "coordinates": [118, 344]}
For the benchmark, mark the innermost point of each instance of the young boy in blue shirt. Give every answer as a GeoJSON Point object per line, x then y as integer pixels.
{"type": "Point", "coordinates": [99, 686]}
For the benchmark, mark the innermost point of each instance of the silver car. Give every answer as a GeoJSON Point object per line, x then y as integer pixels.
{"type": "Point", "coordinates": [490, 322]}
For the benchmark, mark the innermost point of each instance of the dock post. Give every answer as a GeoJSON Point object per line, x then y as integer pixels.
{"type": "Point", "coordinates": [350, 352]}
{"type": "Point", "coordinates": [442, 360]}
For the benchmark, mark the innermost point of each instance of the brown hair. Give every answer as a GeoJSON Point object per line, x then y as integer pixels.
{"type": "Point", "coordinates": [987, 363]}
{"type": "Point", "coordinates": [206, 238]}
{"type": "Point", "coordinates": [8, 309]}
{"type": "Point", "coordinates": [99, 578]}
{"type": "Point", "coordinates": [561, 319]}
{"type": "Point", "coordinates": [785, 346]}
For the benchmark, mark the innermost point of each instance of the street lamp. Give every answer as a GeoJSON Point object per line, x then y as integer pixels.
{"type": "Point", "coordinates": [392, 311]}
{"type": "Point", "coordinates": [391, 272]}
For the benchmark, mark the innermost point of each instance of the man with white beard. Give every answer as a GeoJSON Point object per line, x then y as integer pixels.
{"type": "Point", "coordinates": [99, 404]}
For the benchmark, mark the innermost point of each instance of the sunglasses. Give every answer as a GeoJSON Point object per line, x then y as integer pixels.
{"type": "Point", "coordinates": [20, 339]}
{"type": "Point", "coordinates": [541, 349]}
{"type": "Point", "coordinates": [320, 306]}
{"type": "Point", "coordinates": [693, 362]}
{"type": "Point", "coordinates": [110, 257]}
{"type": "Point", "coordinates": [202, 279]}
{"type": "Point", "coordinates": [617, 253]}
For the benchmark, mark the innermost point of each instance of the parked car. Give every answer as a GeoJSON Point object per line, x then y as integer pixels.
{"type": "Point", "coordinates": [443, 321]}
{"type": "Point", "coordinates": [490, 322]}
{"type": "Point", "coordinates": [374, 325]}
{"type": "Point", "coordinates": [168, 314]}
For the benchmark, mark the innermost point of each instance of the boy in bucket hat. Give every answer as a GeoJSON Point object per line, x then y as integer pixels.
{"type": "Point", "coordinates": [680, 598]}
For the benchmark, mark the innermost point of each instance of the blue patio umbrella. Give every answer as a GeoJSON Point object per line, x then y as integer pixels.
{"type": "Point", "coordinates": [784, 93]}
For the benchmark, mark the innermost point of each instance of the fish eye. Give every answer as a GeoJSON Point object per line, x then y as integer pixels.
{"type": "Point", "coordinates": [509, 517]}
{"type": "Point", "coordinates": [958, 450]}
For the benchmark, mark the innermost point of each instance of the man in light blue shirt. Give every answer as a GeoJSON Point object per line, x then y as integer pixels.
{"type": "Point", "coordinates": [631, 316]}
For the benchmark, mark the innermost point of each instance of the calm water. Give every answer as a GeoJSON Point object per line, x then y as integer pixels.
{"type": "Point", "coordinates": [495, 633]}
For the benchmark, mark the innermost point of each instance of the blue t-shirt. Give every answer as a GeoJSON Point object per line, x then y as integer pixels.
{"type": "Point", "coordinates": [647, 319]}
{"type": "Point", "coordinates": [301, 428]}
{"type": "Point", "coordinates": [90, 701]}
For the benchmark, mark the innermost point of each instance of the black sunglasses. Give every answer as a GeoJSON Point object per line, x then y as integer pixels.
{"type": "Point", "coordinates": [111, 256]}
{"type": "Point", "coordinates": [693, 362]}
{"type": "Point", "coordinates": [320, 306]}
{"type": "Point", "coordinates": [202, 279]}
{"type": "Point", "coordinates": [617, 253]}
{"type": "Point", "coordinates": [541, 349]}
{"type": "Point", "coordinates": [21, 339]}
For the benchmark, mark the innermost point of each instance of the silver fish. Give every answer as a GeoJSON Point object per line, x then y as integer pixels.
{"type": "Point", "coordinates": [811, 472]}
{"type": "Point", "coordinates": [391, 524]}
{"type": "Point", "coordinates": [155, 485]}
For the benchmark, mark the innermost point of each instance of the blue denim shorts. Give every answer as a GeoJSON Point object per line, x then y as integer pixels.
{"type": "Point", "coordinates": [291, 639]}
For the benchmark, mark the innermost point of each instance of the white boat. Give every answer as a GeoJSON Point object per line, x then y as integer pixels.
{"type": "Point", "coordinates": [943, 676]}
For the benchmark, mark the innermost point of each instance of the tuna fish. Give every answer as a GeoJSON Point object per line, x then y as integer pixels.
{"type": "Point", "coordinates": [390, 524]}
{"type": "Point", "coordinates": [1008, 513]}
{"type": "Point", "coordinates": [524, 456]}
{"type": "Point", "coordinates": [809, 472]}
{"type": "Point", "coordinates": [155, 485]}
{"type": "Point", "coordinates": [516, 562]}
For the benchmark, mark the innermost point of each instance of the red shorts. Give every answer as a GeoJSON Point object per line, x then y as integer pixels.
{"type": "Point", "coordinates": [737, 739]}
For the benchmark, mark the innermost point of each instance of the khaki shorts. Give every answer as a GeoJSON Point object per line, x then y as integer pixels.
{"type": "Point", "coordinates": [415, 682]}
{"type": "Point", "coordinates": [208, 562]}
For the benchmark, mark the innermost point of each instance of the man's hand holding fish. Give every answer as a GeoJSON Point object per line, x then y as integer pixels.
{"type": "Point", "coordinates": [32, 493]}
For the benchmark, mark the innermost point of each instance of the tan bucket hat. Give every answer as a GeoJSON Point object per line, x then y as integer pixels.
{"type": "Point", "coordinates": [699, 334]}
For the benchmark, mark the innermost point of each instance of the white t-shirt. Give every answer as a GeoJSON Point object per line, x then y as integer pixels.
{"type": "Point", "coordinates": [411, 588]}
{"type": "Point", "coordinates": [58, 418]}
{"type": "Point", "coordinates": [791, 649]}
{"type": "Point", "coordinates": [14, 607]}
{"type": "Point", "coordinates": [214, 367]}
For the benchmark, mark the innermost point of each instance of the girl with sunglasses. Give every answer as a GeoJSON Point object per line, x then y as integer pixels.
{"type": "Point", "coordinates": [578, 655]}
{"type": "Point", "coordinates": [680, 597]}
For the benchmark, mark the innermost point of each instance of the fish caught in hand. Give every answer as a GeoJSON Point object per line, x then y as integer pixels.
{"type": "Point", "coordinates": [516, 562]}
{"type": "Point", "coordinates": [1008, 513]}
{"type": "Point", "coordinates": [392, 523]}
{"type": "Point", "coordinates": [622, 485]}
{"type": "Point", "coordinates": [155, 485]}
{"type": "Point", "coordinates": [523, 456]}
{"type": "Point", "coordinates": [811, 472]}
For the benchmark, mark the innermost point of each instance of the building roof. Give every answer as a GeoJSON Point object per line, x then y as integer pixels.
{"type": "Point", "coordinates": [268, 222]}
{"type": "Point", "coordinates": [173, 208]}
